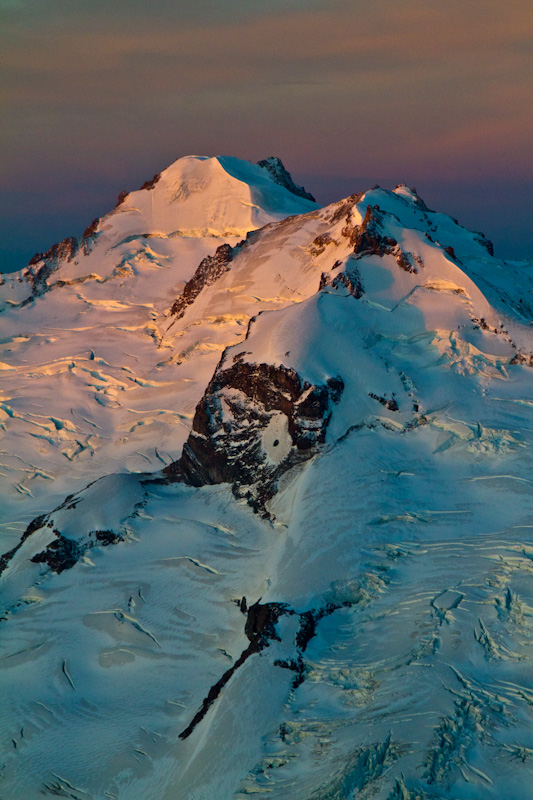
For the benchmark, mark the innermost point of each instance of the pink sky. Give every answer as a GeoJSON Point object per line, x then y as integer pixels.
{"type": "Point", "coordinates": [98, 96]}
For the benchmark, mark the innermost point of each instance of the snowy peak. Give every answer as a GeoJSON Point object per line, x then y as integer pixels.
{"type": "Point", "coordinates": [378, 293]}
{"type": "Point", "coordinates": [196, 197]}
{"type": "Point", "coordinates": [219, 196]}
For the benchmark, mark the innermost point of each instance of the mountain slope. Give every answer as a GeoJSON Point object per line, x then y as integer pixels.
{"type": "Point", "coordinates": [328, 593]}
{"type": "Point", "coordinates": [89, 386]}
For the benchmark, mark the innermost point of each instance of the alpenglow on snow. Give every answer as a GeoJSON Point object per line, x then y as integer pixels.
{"type": "Point", "coordinates": [267, 510]}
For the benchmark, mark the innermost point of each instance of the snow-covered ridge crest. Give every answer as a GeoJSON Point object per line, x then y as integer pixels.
{"type": "Point", "coordinates": [196, 196]}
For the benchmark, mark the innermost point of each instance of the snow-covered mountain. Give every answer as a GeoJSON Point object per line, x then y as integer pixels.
{"type": "Point", "coordinates": [93, 379]}
{"type": "Point", "coordinates": [295, 557]}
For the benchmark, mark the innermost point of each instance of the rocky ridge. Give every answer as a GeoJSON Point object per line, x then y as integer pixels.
{"type": "Point", "coordinates": [282, 176]}
{"type": "Point", "coordinates": [209, 270]}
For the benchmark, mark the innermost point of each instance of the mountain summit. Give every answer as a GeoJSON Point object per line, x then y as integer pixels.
{"type": "Point", "coordinates": [222, 196]}
{"type": "Point", "coordinates": [267, 527]}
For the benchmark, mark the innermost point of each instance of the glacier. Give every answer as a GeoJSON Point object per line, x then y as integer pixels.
{"type": "Point", "coordinates": [267, 509]}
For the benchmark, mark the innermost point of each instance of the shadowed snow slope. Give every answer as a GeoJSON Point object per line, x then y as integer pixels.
{"type": "Point", "coordinates": [326, 593]}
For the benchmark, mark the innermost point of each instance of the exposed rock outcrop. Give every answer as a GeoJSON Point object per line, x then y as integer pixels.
{"type": "Point", "coordinates": [260, 628]}
{"type": "Point", "coordinates": [283, 177]}
{"type": "Point", "coordinates": [146, 185]}
{"type": "Point", "coordinates": [152, 182]}
{"type": "Point", "coordinates": [349, 278]}
{"type": "Point", "coordinates": [255, 422]}
{"type": "Point", "coordinates": [370, 239]}
{"type": "Point", "coordinates": [63, 553]}
{"type": "Point", "coordinates": [120, 199]}
{"type": "Point", "coordinates": [89, 236]}
{"type": "Point", "coordinates": [209, 270]}
{"type": "Point", "coordinates": [42, 265]}
{"type": "Point", "coordinates": [343, 208]}
{"type": "Point", "coordinates": [484, 242]}
{"type": "Point", "coordinates": [91, 229]}
{"type": "Point", "coordinates": [60, 545]}
{"type": "Point", "coordinates": [390, 403]}
{"type": "Point", "coordinates": [34, 525]}
{"type": "Point", "coordinates": [320, 243]}
{"type": "Point", "coordinates": [60, 554]}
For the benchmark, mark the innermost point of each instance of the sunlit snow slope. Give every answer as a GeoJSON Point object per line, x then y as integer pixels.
{"type": "Point", "coordinates": [326, 593]}
{"type": "Point", "coordinates": [90, 382]}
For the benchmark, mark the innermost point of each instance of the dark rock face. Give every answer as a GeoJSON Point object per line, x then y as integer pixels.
{"type": "Point", "coordinates": [320, 243]}
{"type": "Point", "coordinates": [522, 358]}
{"type": "Point", "coordinates": [261, 620]}
{"type": "Point", "coordinates": [42, 265]}
{"type": "Point", "coordinates": [344, 207]}
{"type": "Point", "coordinates": [209, 270]}
{"type": "Point", "coordinates": [349, 278]}
{"type": "Point", "coordinates": [64, 553]}
{"type": "Point", "coordinates": [389, 403]}
{"type": "Point", "coordinates": [120, 199]}
{"type": "Point", "coordinates": [260, 628]}
{"type": "Point", "coordinates": [65, 249]}
{"type": "Point", "coordinates": [484, 242]}
{"type": "Point", "coordinates": [451, 252]}
{"type": "Point", "coordinates": [90, 230]}
{"type": "Point", "coordinates": [230, 443]}
{"type": "Point", "coordinates": [368, 239]}
{"type": "Point", "coordinates": [34, 525]}
{"type": "Point", "coordinates": [60, 554]}
{"type": "Point", "coordinates": [37, 278]}
{"type": "Point", "coordinates": [283, 177]}
{"type": "Point", "coordinates": [89, 236]}
{"type": "Point", "coordinates": [106, 538]}
{"type": "Point", "coordinates": [146, 185]}
{"type": "Point", "coordinates": [151, 183]}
